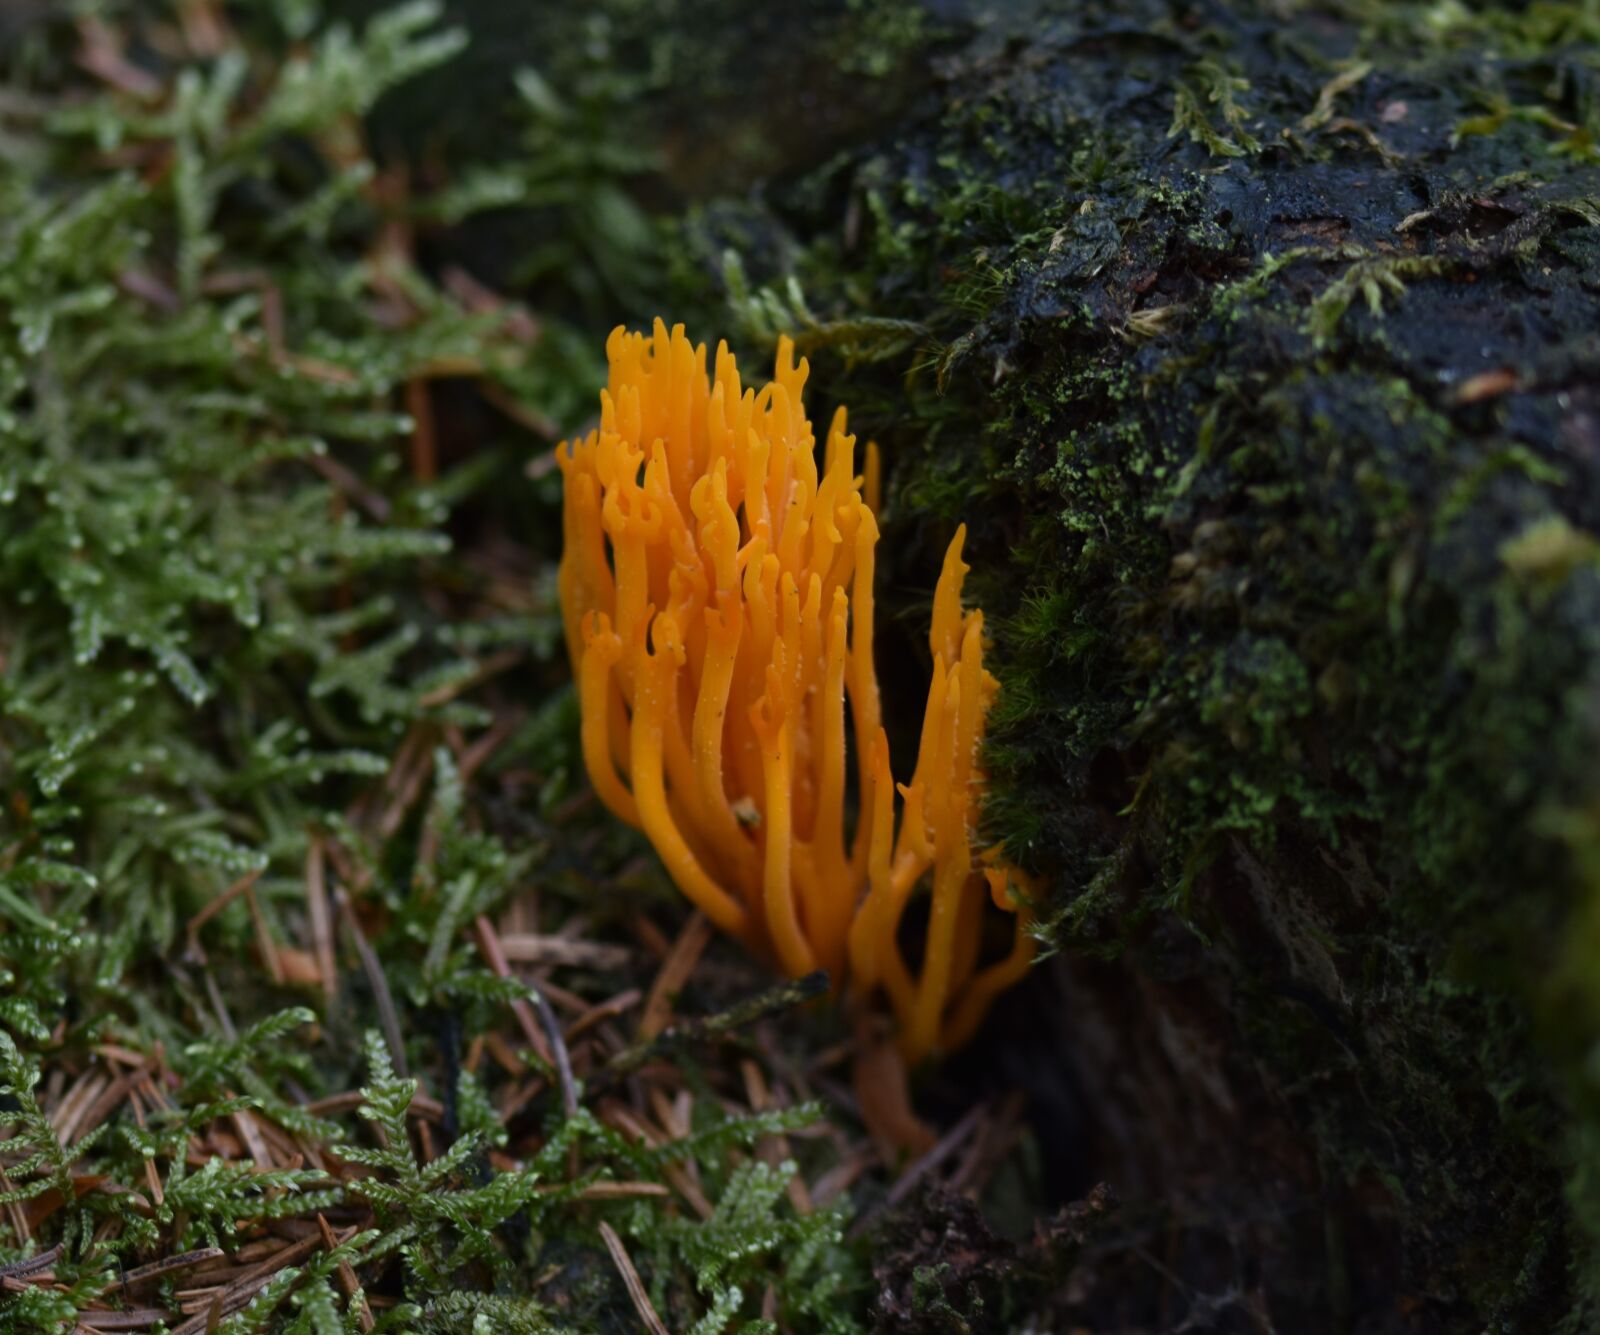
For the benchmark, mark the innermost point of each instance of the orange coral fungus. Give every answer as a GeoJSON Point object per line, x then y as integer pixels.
{"type": "Point", "coordinates": [717, 595]}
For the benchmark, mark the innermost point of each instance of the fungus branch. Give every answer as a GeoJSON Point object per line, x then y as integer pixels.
{"type": "Point", "coordinates": [716, 588]}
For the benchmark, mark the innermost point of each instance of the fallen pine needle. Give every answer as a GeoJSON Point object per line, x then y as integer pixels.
{"type": "Point", "coordinates": [631, 1281]}
{"type": "Point", "coordinates": [674, 973]}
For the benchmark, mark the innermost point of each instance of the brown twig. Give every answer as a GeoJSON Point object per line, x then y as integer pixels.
{"type": "Point", "coordinates": [611, 1006]}
{"type": "Point", "coordinates": [532, 948]}
{"type": "Point", "coordinates": [373, 968]}
{"type": "Point", "coordinates": [239, 1293]}
{"type": "Point", "coordinates": [220, 1006]}
{"type": "Point", "coordinates": [32, 1265]}
{"type": "Point", "coordinates": [112, 1098]}
{"type": "Point", "coordinates": [19, 1216]}
{"type": "Point", "coordinates": [674, 973]}
{"type": "Point", "coordinates": [254, 1141]}
{"type": "Point", "coordinates": [631, 1281]}
{"type": "Point", "coordinates": [504, 1055]}
{"type": "Point", "coordinates": [676, 1174]}
{"type": "Point", "coordinates": [563, 1059]}
{"type": "Point", "coordinates": [167, 1265]}
{"type": "Point", "coordinates": [495, 958]}
{"type": "Point", "coordinates": [66, 1115]}
{"type": "Point", "coordinates": [146, 1089]}
{"type": "Point", "coordinates": [137, 1318]}
{"type": "Point", "coordinates": [615, 1191]}
{"type": "Point", "coordinates": [347, 1278]}
{"type": "Point", "coordinates": [193, 950]}
{"type": "Point", "coordinates": [264, 941]}
{"type": "Point", "coordinates": [413, 763]}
